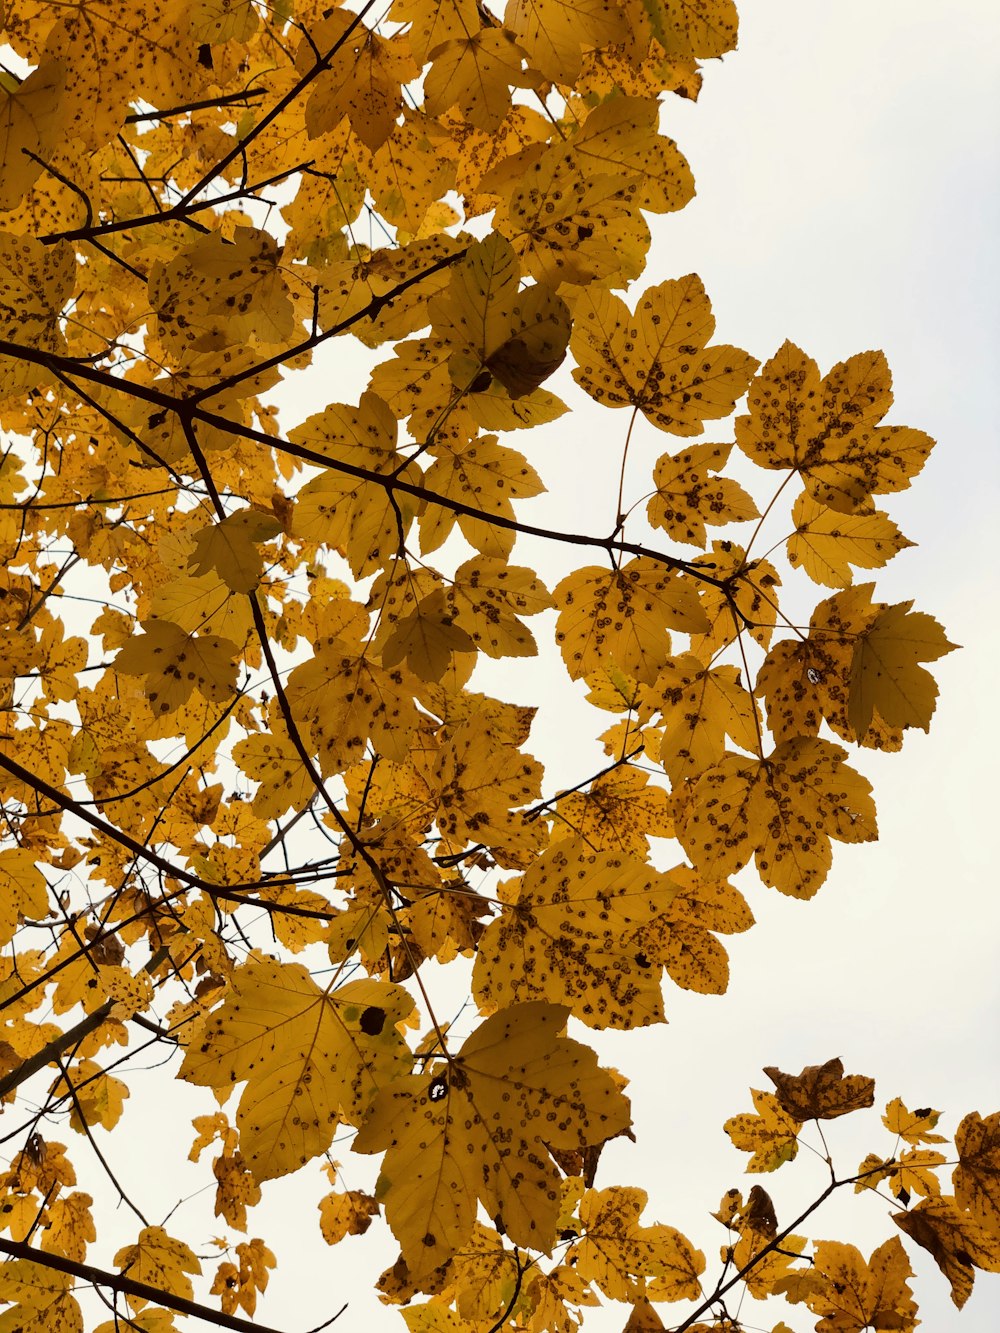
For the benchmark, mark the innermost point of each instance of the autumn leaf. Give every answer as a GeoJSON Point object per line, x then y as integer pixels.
{"type": "Point", "coordinates": [885, 672]}
{"type": "Point", "coordinates": [687, 498]}
{"type": "Point", "coordinates": [452, 1135]}
{"type": "Point", "coordinates": [956, 1241]}
{"type": "Point", "coordinates": [567, 937]}
{"type": "Point", "coordinates": [977, 1176]}
{"type": "Point", "coordinates": [821, 1092]}
{"type": "Point", "coordinates": [495, 329]}
{"type": "Point", "coordinates": [913, 1126]}
{"type": "Point", "coordinates": [230, 548]}
{"type": "Point", "coordinates": [346, 1214]}
{"type": "Point", "coordinates": [624, 616]}
{"type": "Point", "coordinates": [682, 937]}
{"type": "Point", "coordinates": [770, 1134]}
{"type": "Point", "coordinates": [851, 1294]}
{"type": "Point", "coordinates": [827, 429]}
{"type": "Point", "coordinates": [782, 811]}
{"type": "Point", "coordinates": [661, 364]}
{"type": "Point", "coordinates": [173, 663]}
{"type": "Point", "coordinates": [309, 1057]}
{"type": "Point", "coordinates": [624, 1258]}
{"type": "Point", "coordinates": [31, 122]}
{"type": "Point", "coordinates": [23, 891]}
{"type": "Point", "coordinates": [39, 1297]}
{"type": "Point", "coordinates": [159, 1260]}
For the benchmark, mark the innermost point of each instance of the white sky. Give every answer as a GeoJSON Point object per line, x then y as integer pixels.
{"type": "Point", "coordinates": [848, 189]}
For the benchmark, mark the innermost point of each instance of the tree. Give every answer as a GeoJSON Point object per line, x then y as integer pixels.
{"type": "Point", "coordinates": [258, 812]}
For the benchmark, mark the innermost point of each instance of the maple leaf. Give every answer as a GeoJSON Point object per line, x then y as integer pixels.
{"type": "Point", "coordinates": [623, 615]}
{"type": "Point", "coordinates": [826, 543]}
{"type": "Point", "coordinates": [681, 937]}
{"type": "Point", "coordinates": [230, 548]}
{"type": "Point", "coordinates": [624, 1258]}
{"type": "Point", "coordinates": [566, 936]}
{"type": "Point", "coordinates": [554, 31]}
{"type": "Point", "coordinates": [173, 663]}
{"type": "Point", "coordinates": [885, 674]}
{"type": "Point", "coordinates": [956, 1241]}
{"type": "Point", "coordinates": [851, 1294]}
{"type": "Point", "coordinates": [486, 475]}
{"type": "Point", "coordinates": [687, 498]}
{"type": "Point", "coordinates": [517, 337]}
{"type": "Point", "coordinates": [977, 1176]}
{"type": "Point", "coordinates": [699, 707]}
{"type": "Point", "coordinates": [30, 124]}
{"type": "Point", "coordinates": [661, 364]}
{"type": "Point", "coordinates": [821, 1092]}
{"type": "Point", "coordinates": [23, 891]}
{"type": "Point", "coordinates": [308, 1057]}
{"type": "Point", "coordinates": [782, 811]}
{"type": "Point", "coordinates": [771, 1134]}
{"type": "Point", "coordinates": [159, 1260]}
{"type": "Point", "coordinates": [39, 1296]}
{"type": "Point", "coordinates": [477, 1127]}
{"type": "Point", "coordinates": [913, 1126]}
{"type": "Point", "coordinates": [828, 429]}
{"type": "Point", "coordinates": [620, 812]}
{"type": "Point", "coordinates": [347, 1214]}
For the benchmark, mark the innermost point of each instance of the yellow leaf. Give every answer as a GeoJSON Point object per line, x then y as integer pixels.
{"type": "Point", "coordinates": [704, 29]}
{"type": "Point", "coordinates": [24, 891]}
{"type": "Point", "coordinates": [96, 1098]}
{"type": "Point", "coordinates": [30, 125]}
{"type": "Point", "coordinates": [977, 1176]}
{"type": "Point", "coordinates": [495, 329]}
{"type": "Point", "coordinates": [272, 761]}
{"type": "Point", "coordinates": [40, 1298]}
{"type": "Point", "coordinates": [566, 935]}
{"type": "Point", "coordinates": [487, 597]}
{"type": "Point", "coordinates": [687, 498]}
{"type": "Point", "coordinates": [620, 811]}
{"type": "Point", "coordinates": [771, 1135]}
{"type": "Point", "coordinates": [476, 73]}
{"type": "Point", "coordinates": [230, 548]}
{"type": "Point", "coordinates": [782, 810]}
{"type": "Point", "coordinates": [485, 475]}
{"type": "Point", "coordinates": [680, 938]}
{"type": "Point", "coordinates": [621, 617]}
{"type": "Point", "coordinates": [309, 1058]}
{"type": "Point", "coordinates": [699, 707]}
{"type": "Point", "coordinates": [174, 664]}
{"type": "Point", "coordinates": [159, 1260]}
{"type": "Point", "coordinates": [625, 1259]}
{"type": "Point", "coordinates": [913, 1126]}
{"type": "Point", "coordinates": [36, 281]}
{"type": "Point", "coordinates": [827, 543]}
{"type": "Point", "coordinates": [956, 1241]}
{"type": "Point", "coordinates": [852, 1295]}
{"type": "Point", "coordinates": [554, 31]}
{"type": "Point", "coordinates": [474, 1129]}
{"type": "Point", "coordinates": [362, 80]}
{"type": "Point", "coordinates": [742, 600]}
{"type": "Point", "coordinates": [347, 1214]}
{"type": "Point", "coordinates": [217, 292]}
{"type": "Point", "coordinates": [885, 675]}
{"type": "Point", "coordinates": [828, 429]}
{"type": "Point", "coordinates": [660, 363]}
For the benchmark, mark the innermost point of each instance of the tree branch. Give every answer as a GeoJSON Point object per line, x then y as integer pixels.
{"type": "Point", "coordinates": [128, 1286]}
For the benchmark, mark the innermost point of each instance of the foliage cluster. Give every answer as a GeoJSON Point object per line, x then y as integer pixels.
{"type": "Point", "coordinates": [230, 640]}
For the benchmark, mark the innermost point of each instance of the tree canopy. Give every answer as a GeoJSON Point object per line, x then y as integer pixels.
{"type": "Point", "coordinates": [263, 813]}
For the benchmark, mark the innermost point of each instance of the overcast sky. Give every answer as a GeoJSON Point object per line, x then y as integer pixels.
{"type": "Point", "coordinates": [847, 198]}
